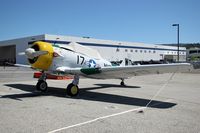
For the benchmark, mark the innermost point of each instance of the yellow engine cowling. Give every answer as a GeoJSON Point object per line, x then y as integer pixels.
{"type": "Point", "coordinates": [42, 62]}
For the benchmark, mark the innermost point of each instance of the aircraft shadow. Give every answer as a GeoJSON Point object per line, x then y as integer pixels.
{"type": "Point", "coordinates": [103, 86]}
{"type": "Point", "coordinates": [88, 95]}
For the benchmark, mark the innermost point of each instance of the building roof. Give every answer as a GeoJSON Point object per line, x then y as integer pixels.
{"type": "Point", "coordinates": [90, 42]}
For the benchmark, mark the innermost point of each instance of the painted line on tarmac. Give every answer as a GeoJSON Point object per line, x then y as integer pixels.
{"type": "Point", "coordinates": [97, 119]}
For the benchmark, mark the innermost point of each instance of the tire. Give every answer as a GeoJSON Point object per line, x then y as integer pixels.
{"type": "Point", "coordinates": [122, 84]}
{"type": "Point", "coordinates": [42, 86]}
{"type": "Point", "coordinates": [72, 90]}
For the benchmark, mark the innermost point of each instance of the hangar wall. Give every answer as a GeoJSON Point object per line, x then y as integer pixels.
{"type": "Point", "coordinates": [7, 54]}
{"type": "Point", "coordinates": [110, 50]}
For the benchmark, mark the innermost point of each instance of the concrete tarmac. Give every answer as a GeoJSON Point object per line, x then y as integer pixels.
{"type": "Point", "coordinates": [102, 106]}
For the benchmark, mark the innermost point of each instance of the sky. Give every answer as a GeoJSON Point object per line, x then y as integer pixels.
{"type": "Point", "coordinates": [146, 21]}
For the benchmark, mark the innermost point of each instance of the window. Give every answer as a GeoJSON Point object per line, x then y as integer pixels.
{"type": "Point", "coordinates": [145, 51]}
{"type": "Point", "coordinates": [131, 50]}
{"type": "Point", "coordinates": [154, 51]}
{"type": "Point", "coordinates": [193, 51]}
{"type": "Point", "coordinates": [136, 50]}
{"type": "Point", "coordinates": [140, 51]}
{"type": "Point", "coordinates": [126, 50]}
{"type": "Point", "coordinates": [149, 51]}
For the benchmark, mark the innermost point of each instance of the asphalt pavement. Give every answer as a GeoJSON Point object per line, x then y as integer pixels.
{"type": "Point", "coordinates": [102, 106]}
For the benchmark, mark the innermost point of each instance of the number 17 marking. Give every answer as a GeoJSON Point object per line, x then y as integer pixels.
{"type": "Point", "coordinates": [80, 59]}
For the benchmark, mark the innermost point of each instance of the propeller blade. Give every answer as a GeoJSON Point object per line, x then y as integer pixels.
{"type": "Point", "coordinates": [31, 53]}
{"type": "Point", "coordinates": [21, 53]}
{"type": "Point", "coordinates": [38, 53]}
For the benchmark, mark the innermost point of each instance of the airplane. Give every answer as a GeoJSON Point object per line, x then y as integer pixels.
{"type": "Point", "coordinates": [78, 60]}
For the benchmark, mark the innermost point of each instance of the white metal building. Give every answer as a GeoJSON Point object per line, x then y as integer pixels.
{"type": "Point", "coordinates": [193, 54]}
{"type": "Point", "coordinates": [110, 50]}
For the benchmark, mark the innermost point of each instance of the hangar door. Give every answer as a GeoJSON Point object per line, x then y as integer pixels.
{"type": "Point", "coordinates": [7, 54]}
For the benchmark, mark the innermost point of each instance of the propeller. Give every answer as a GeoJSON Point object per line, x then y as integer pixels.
{"type": "Point", "coordinates": [31, 53]}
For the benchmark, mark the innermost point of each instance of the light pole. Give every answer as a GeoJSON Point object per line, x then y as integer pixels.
{"type": "Point", "coordinates": [177, 40]}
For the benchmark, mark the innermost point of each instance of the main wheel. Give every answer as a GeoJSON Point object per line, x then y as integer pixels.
{"type": "Point", "coordinates": [42, 86]}
{"type": "Point", "coordinates": [72, 90]}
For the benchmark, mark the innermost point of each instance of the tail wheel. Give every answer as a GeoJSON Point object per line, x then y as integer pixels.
{"type": "Point", "coordinates": [122, 83]}
{"type": "Point", "coordinates": [72, 90]}
{"type": "Point", "coordinates": [42, 86]}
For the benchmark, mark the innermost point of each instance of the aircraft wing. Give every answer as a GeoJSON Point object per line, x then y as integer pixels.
{"type": "Point", "coordinates": [118, 72]}
{"type": "Point", "coordinates": [68, 70]}
{"type": "Point", "coordinates": [19, 65]}
{"type": "Point", "coordinates": [137, 70]}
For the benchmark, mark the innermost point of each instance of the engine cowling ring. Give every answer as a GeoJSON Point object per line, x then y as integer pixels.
{"type": "Point", "coordinates": [42, 62]}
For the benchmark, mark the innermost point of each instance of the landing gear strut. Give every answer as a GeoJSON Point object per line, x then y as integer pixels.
{"type": "Point", "coordinates": [42, 84]}
{"type": "Point", "coordinates": [72, 88]}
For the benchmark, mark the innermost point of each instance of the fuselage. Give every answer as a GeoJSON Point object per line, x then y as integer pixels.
{"type": "Point", "coordinates": [52, 57]}
{"type": "Point", "coordinates": [70, 58]}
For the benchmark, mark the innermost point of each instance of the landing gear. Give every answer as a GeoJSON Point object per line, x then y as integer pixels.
{"type": "Point", "coordinates": [72, 88]}
{"type": "Point", "coordinates": [42, 84]}
{"type": "Point", "coordinates": [122, 83]}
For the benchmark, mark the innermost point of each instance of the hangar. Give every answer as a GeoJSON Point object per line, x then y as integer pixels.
{"type": "Point", "coordinates": [8, 53]}
{"type": "Point", "coordinates": [114, 51]}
